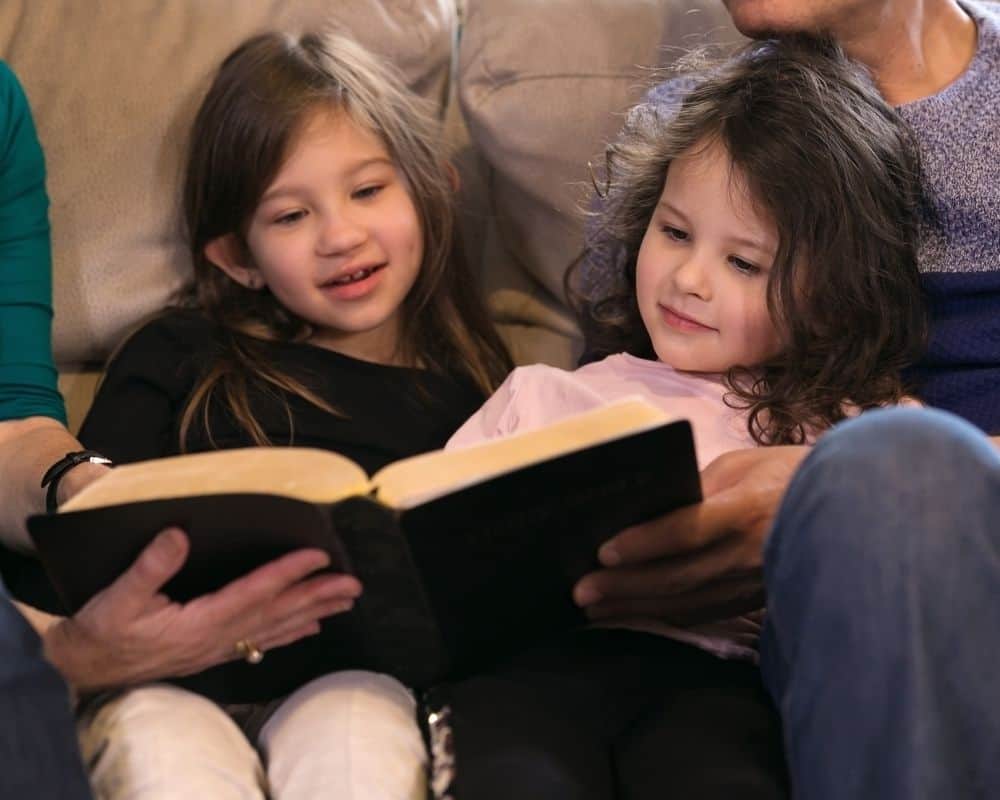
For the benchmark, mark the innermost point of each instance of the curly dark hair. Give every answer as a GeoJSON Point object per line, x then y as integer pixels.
{"type": "Point", "coordinates": [837, 172]}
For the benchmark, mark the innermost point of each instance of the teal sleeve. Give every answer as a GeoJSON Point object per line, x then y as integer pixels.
{"type": "Point", "coordinates": [27, 373]}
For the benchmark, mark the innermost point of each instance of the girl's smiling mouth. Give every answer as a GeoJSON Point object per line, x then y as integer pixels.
{"type": "Point", "coordinates": [678, 321]}
{"type": "Point", "coordinates": [354, 284]}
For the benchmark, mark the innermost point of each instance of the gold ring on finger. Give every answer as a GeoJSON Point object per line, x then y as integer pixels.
{"type": "Point", "coordinates": [249, 652]}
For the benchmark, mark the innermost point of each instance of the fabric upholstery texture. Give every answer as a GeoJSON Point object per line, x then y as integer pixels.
{"type": "Point", "coordinates": [114, 87]}
{"type": "Point", "coordinates": [544, 86]}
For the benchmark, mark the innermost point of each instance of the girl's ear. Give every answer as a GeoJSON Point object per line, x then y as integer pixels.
{"type": "Point", "coordinates": [230, 255]}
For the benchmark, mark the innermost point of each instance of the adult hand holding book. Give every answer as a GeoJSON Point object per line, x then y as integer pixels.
{"type": "Point", "coordinates": [130, 632]}
{"type": "Point", "coordinates": [702, 563]}
{"type": "Point", "coordinates": [465, 556]}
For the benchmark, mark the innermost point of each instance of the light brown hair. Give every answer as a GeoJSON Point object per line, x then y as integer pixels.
{"type": "Point", "coordinates": [262, 95]}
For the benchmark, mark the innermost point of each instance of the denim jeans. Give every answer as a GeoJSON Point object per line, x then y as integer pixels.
{"type": "Point", "coordinates": [882, 642]}
{"type": "Point", "coordinates": [38, 747]}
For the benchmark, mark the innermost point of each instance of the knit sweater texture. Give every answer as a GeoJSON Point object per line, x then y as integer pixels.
{"type": "Point", "coordinates": [959, 134]}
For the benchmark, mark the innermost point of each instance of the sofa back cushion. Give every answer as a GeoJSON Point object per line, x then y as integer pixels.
{"type": "Point", "coordinates": [544, 86]}
{"type": "Point", "coordinates": [114, 87]}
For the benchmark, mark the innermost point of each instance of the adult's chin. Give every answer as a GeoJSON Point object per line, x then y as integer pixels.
{"type": "Point", "coordinates": [762, 19]}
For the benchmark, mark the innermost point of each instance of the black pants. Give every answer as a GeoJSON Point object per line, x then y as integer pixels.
{"type": "Point", "coordinates": [602, 714]}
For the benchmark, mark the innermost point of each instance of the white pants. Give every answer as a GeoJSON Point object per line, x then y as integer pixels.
{"type": "Point", "coordinates": [349, 735]}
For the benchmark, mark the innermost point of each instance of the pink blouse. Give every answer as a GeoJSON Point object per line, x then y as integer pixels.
{"type": "Point", "coordinates": [535, 396]}
{"type": "Point", "coordinates": [538, 395]}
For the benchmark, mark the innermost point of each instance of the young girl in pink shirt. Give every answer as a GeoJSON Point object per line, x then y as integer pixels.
{"type": "Point", "coordinates": [763, 284]}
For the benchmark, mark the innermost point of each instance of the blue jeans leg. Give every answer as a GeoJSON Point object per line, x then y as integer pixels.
{"type": "Point", "coordinates": [882, 642]}
{"type": "Point", "coordinates": [38, 747]}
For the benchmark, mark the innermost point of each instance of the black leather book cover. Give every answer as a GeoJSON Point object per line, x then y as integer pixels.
{"type": "Point", "coordinates": [499, 559]}
{"type": "Point", "coordinates": [450, 586]}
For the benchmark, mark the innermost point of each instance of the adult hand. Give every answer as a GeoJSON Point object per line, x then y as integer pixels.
{"type": "Point", "coordinates": [703, 562]}
{"type": "Point", "coordinates": [131, 632]}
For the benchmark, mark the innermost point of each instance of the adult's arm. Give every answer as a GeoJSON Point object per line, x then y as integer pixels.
{"type": "Point", "coordinates": [27, 375]}
{"type": "Point", "coordinates": [32, 435]}
{"type": "Point", "coordinates": [28, 447]}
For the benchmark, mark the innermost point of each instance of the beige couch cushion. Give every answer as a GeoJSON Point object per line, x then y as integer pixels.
{"type": "Point", "coordinates": [114, 86]}
{"type": "Point", "coordinates": [543, 86]}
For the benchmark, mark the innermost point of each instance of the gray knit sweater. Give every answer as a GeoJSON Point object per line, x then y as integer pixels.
{"type": "Point", "coordinates": [959, 134]}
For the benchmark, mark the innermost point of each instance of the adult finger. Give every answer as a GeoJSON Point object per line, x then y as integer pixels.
{"type": "Point", "coordinates": [310, 595]}
{"type": "Point", "coordinates": [262, 585]}
{"type": "Point", "coordinates": [725, 471]}
{"type": "Point", "coordinates": [288, 630]}
{"type": "Point", "coordinates": [264, 644]}
{"type": "Point", "coordinates": [708, 604]}
{"type": "Point", "coordinates": [666, 577]}
{"type": "Point", "coordinates": [299, 616]}
{"type": "Point", "coordinates": [133, 590]}
{"type": "Point", "coordinates": [763, 471]}
{"type": "Point", "coordinates": [676, 534]}
{"type": "Point", "coordinates": [265, 635]}
{"type": "Point", "coordinates": [276, 640]}
{"type": "Point", "coordinates": [280, 631]}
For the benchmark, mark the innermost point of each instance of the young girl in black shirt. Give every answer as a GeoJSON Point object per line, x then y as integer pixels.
{"type": "Point", "coordinates": [328, 310]}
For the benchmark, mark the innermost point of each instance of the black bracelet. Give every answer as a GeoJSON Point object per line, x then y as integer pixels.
{"type": "Point", "coordinates": [55, 473]}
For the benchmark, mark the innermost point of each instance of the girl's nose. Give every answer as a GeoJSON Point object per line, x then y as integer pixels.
{"type": "Point", "coordinates": [692, 276]}
{"type": "Point", "coordinates": [341, 234]}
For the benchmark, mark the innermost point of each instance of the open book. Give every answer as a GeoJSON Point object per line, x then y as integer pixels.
{"type": "Point", "coordinates": [465, 556]}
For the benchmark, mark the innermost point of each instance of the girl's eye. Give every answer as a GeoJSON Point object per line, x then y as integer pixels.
{"type": "Point", "coordinates": [289, 218]}
{"type": "Point", "coordinates": [368, 191]}
{"type": "Point", "coordinates": [675, 233]}
{"type": "Point", "coordinates": [744, 266]}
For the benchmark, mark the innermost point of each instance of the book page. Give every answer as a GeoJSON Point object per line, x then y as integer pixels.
{"type": "Point", "coordinates": [303, 473]}
{"type": "Point", "coordinates": [420, 479]}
